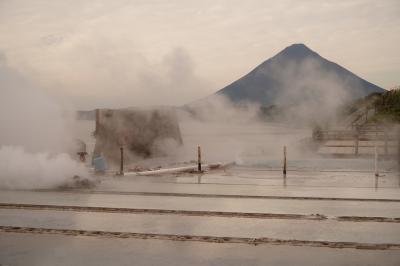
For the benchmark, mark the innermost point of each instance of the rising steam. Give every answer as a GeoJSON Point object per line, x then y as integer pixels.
{"type": "Point", "coordinates": [34, 138]}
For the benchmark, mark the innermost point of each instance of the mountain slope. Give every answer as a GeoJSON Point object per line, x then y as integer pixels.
{"type": "Point", "coordinates": [298, 74]}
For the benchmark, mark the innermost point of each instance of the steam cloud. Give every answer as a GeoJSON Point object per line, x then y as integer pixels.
{"type": "Point", "coordinates": [311, 92]}
{"type": "Point", "coordinates": [34, 138]}
{"type": "Point", "coordinates": [311, 95]}
{"type": "Point", "coordinates": [25, 170]}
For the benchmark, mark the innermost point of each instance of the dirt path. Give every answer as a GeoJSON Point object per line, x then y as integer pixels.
{"type": "Point", "coordinates": [199, 213]}
{"type": "Point", "coordinates": [212, 239]}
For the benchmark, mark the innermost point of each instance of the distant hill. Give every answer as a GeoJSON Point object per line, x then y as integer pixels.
{"type": "Point", "coordinates": [296, 74]}
{"type": "Point", "coordinates": [383, 108]}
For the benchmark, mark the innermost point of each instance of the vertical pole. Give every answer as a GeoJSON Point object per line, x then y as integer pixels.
{"type": "Point", "coordinates": [97, 147]}
{"type": "Point", "coordinates": [97, 120]}
{"type": "Point", "coordinates": [376, 161]}
{"type": "Point", "coordinates": [121, 168]}
{"type": "Point", "coordinates": [398, 152]}
{"type": "Point", "coordinates": [356, 143]}
{"type": "Point", "coordinates": [199, 158]}
{"type": "Point", "coordinates": [284, 162]}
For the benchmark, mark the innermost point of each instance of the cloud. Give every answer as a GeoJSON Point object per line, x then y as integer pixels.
{"type": "Point", "coordinates": [82, 50]}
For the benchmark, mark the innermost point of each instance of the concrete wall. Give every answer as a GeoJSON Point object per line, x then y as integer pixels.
{"type": "Point", "coordinates": [140, 131]}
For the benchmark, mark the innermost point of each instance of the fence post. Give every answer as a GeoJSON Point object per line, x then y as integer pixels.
{"type": "Point", "coordinates": [376, 161]}
{"type": "Point", "coordinates": [97, 120]}
{"type": "Point", "coordinates": [121, 167]}
{"type": "Point", "coordinates": [284, 162]}
{"type": "Point", "coordinates": [199, 158]}
{"type": "Point", "coordinates": [398, 150]}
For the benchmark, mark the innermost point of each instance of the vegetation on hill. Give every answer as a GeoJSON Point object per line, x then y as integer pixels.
{"type": "Point", "coordinates": [386, 106]}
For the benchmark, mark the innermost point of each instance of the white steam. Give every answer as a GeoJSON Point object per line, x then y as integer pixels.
{"type": "Point", "coordinates": [311, 92]}
{"type": "Point", "coordinates": [26, 170]}
{"type": "Point", "coordinates": [218, 108]}
{"type": "Point", "coordinates": [34, 138]}
{"type": "Point", "coordinates": [235, 132]}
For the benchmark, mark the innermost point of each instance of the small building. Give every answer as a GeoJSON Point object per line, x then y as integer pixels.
{"type": "Point", "coordinates": [140, 131]}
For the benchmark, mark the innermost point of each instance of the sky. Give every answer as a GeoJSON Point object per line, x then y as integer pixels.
{"type": "Point", "coordinates": [98, 53]}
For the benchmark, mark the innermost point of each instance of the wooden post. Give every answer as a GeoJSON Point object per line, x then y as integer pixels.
{"type": "Point", "coordinates": [284, 162]}
{"type": "Point", "coordinates": [199, 158]}
{"type": "Point", "coordinates": [398, 151]}
{"type": "Point", "coordinates": [121, 168]}
{"type": "Point", "coordinates": [97, 120]}
{"type": "Point", "coordinates": [376, 161]}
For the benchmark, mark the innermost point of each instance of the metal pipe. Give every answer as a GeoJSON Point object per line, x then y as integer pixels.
{"type": "Point", "coordinates": [189, 169]}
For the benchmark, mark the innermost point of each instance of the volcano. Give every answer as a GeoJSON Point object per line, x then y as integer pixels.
{"type": "Point", "coordinates": [297, 74]}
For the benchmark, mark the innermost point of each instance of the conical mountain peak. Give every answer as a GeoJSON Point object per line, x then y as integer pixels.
{"type": "Point", "coordinates": [297, 51]}
{"type": "Point", "coordinates": [298, 72]}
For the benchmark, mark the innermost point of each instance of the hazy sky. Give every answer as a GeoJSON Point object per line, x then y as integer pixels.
{"type": "Point", "coordinates": [121, 53]}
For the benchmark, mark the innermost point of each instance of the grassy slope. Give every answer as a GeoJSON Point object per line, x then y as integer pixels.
{"type": "Point", "coordinates": [387, 106]}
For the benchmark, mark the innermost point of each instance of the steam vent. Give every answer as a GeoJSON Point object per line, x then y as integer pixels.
{"type": "Point", "coordinates": [138, 130]}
